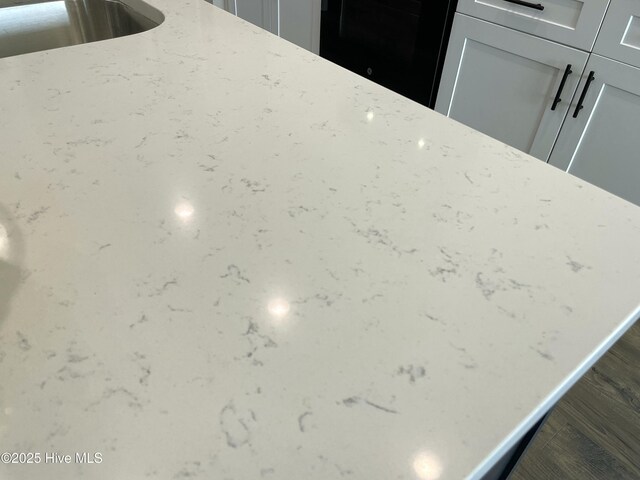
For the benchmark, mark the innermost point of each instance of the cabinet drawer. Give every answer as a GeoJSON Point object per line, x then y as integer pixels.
{"type": "Point", "coordinates": [620, 34]}
{"type": "Point", "coordinates": [571, 22]}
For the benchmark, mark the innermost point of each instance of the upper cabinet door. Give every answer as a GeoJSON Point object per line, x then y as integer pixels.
{"type": "Point", "coordinates": [504, 83]}
{"type": "Point", "coordinates": [602, 143]}
{"type": "Point", "coordinates": [619, 37]}
{"type": "Point", "coordinates": [572, 22]}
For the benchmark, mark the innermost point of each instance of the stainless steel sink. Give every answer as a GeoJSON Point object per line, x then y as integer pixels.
{"type": "Point", "coordinates": [31, 26]}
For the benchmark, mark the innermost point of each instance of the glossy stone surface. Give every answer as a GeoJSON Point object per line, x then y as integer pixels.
{"type": "Point", "coordinates": [223, 257]}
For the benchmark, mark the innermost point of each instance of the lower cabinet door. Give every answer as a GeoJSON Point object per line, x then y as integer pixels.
{"type": "Point", "coordinates": [297, 21]}
{"type": "Point", "coordinates": [300, 23]}
{"type": "Point", "coordinates": [225, 5]}
{"type": "Point", "coordinates": [600, 142]}
{"type": "Point", "coordinates": [263, 13]}
{"type": "Point", "coordinates": [504, 83]}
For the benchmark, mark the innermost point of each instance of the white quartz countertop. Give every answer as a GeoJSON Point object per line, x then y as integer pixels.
{"type": "Point", "coordinates": [223, 257]}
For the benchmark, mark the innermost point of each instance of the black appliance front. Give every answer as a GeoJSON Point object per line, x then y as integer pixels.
{"type": "Point", "coordinates": [399, 44]}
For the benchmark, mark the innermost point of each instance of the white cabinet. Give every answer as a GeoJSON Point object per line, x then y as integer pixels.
{"type": "Point", "coordinates": [228, 5]}
{"type": "Point", "coordinates": [295, 20]}
{"type": "Point", "coordinates": [600, 143]}
{"type": "Point", "coordinates": [505, 83]}
{"type": "Point", "coordinates": [263, 13]}
{"type": "Point", "coordinates": [300, 23]}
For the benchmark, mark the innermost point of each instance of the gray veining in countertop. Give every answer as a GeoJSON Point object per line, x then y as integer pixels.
{"type": "Point", "coordinates": [223, 257]}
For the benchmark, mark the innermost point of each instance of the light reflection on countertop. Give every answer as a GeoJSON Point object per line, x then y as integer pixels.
{"type": "Point", "coordinates": [427, 466]}
{"type": "Point", "coordinates": [184, 211]}
{"type": "Point", "coordinates": [370, 116]}
{"type": "Point", "coordinates": [278, 308]}
{"type": "Point", "coordinates": [4, 243]}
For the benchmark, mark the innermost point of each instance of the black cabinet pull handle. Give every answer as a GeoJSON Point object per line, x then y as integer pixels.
{"type": "Point", "coordinates": [557, 100]}
{"type": "Point", "coordinates": [537, 6]}
{"type": "Point", "coordinates": [579, 107]}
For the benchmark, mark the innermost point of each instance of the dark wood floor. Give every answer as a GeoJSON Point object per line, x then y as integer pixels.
{"type": "Point", "coordinates": [594, 431]}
